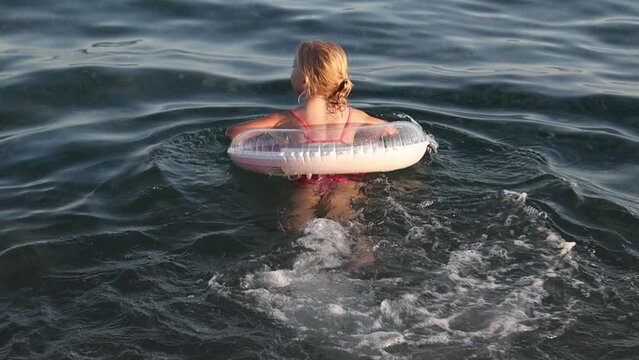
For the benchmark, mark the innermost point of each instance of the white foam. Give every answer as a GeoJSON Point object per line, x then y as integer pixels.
{"type": "Point", "coordinates": [309, 292]}
{"type": "Point", "coordinates": [499, 252]}
{"type": "Point", "coordinates": [328, 243]}
{"type": "Point", "coordinates": [463, 261]}
{"type": "Point", "coordinates": [522, 243]}
{"type": "Point", "coordinates": [426, 203]}
{"type": "Point", "coordinates": [277, 278]}
{"type": "Point", "coordinates": [558, 243]}
{"type": "Point", "coordinates": [380, 340]}
{"type": "Point", "coordinates": [515, 196]}
{"type": "Point", "coordinates": [336, 310]}
{"type": "Point", "coordinates": [481, 293]}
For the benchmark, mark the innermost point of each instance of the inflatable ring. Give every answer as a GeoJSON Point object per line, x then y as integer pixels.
{"type": "Point", "coordinates": [368, 148]}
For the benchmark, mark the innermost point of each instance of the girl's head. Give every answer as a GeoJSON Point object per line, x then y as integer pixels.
{"type": "Point", "coordinates": [321, 69]}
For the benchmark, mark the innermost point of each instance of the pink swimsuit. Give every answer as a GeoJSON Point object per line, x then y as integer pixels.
{"type": "Point", "coordinates": [323, 179]}
{"type": "Point", "coordinates": [309, 133]}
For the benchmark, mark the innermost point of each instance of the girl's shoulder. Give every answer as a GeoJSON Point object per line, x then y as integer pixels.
{"type": "Point", "coordinates": [275, 117]}
{"type": "Point", "coordinates": [357, 115]}
{"type": "Point", "coordinates": [284, 120]}
{"type": "Point", "coordinates": [275, 120]}
{"type": "Point", "coordinates": [361, 117]}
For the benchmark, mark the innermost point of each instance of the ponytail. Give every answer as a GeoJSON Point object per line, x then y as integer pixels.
{"type": "Point", "coordinates": [338, 100]}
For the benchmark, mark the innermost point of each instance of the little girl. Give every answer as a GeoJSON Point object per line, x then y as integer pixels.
{"type": "Point", "coordinates": [320, 78]}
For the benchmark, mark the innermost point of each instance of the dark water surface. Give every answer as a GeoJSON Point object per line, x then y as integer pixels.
{"type": "Point", "coordinates": [125, 231]}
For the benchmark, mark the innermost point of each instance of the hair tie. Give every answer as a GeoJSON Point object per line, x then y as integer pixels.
{"type": "Point", "coordinates": [342, 85]}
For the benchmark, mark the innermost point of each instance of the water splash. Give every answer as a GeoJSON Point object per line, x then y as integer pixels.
{"type": "Point", "coordinates": [494, 287]}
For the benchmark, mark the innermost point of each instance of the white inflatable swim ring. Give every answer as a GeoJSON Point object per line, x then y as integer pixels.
{"type": "Point", "coordinates": [372, 148]}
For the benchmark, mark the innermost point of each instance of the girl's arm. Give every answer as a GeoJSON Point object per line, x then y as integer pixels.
{"type": "Point", "coordinates": [267, 122]}
{"type": "Point", "coordinates": [361, 117]}
{"type": "Point", "coordinates": [369, 120]}
{"type": "Point", "coordinates": [364, 118]}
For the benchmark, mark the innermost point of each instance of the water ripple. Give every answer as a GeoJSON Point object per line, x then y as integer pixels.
{"type": "Point", "coordinates": [125, 230]}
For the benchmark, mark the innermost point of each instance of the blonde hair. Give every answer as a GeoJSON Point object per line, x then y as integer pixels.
{"type": "Point", "coordinates": [325, 68]}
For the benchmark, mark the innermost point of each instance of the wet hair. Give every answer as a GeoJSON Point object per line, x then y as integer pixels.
{"type": "Point", "coordinates": [325, 68]}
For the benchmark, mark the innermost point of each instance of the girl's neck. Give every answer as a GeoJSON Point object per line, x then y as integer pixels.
{"type": "Point", "coordinates": [314, 102]}
{"type": "Point", "coordinates": [315, 109]}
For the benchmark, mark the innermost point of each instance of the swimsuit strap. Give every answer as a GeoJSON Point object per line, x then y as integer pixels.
{"type": "Point", "coordinates": [308, 132]}
{"type": "Point", "coordinates": [348, 122]}
{"type": "Point", "coordinates": [307, 129]}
